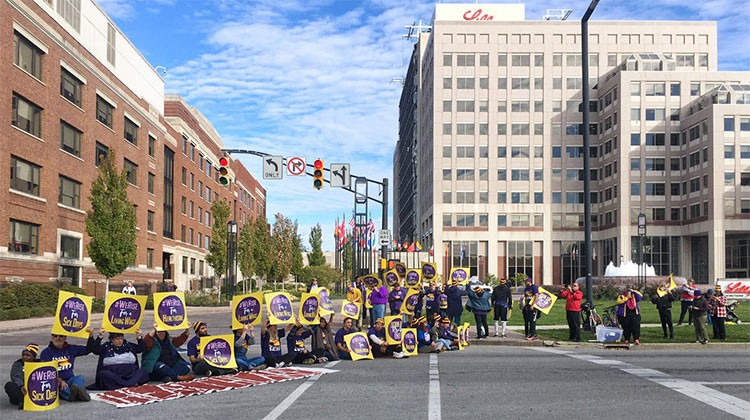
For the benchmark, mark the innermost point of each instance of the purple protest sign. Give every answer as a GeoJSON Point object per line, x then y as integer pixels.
{"type": "Point", "coordinates": [309, 309]}
{"type": "Point", "coordinates": [410, 342]}
{"type": "Point", "coordinates": [124, 313]}
{"type": "Point", "coordinates": [74, 315]}
{"type": "Point", "coordinates": [394, 329]}
{"type": "Point", "coordinates": [359, 345]}
{"type": "Point", "coordinates": [41, 385]}
{"type": "Point", "coordinates": [392, 278]}
{"type": "Point", "coordinates": [428, 271]}
{"type": "Point", "coordinates": [400, 269]}
{"type": "Point", "coordinates": [171, 311]}
{"type": "Point", "coordinates": [410, 303]}
{"type": "Point", "coordinates": [248, 310]}
{"type": "Point", "coordinates": [459, 275]}
{"type": "Point", "coordinates": [350, 310]}
{"type": "Point", "coordinates": [412, 278]}
{"type": "Point", "coordinates": [325, 300]}
{"type": "Point", "coordinates": [281, 308]}
{"type": "Point", "coordinates": [370, 281]}
{"type": "Point", "coordinates": [217, 351]}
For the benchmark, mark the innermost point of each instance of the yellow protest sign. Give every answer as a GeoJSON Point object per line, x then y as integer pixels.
{"type": "Point", "coordinates": [123, 313]}
{"type": "Point", "coordinates": [410, 301]}
{"type": "Point", "coordinates": [545, 300]}
{"type": "Point", "coordinates": [359, 346]}
{"type": "Point", "coordinates": [371, 281]}
{"type": "Point", "coordinates": [247, 310]}
{"type": "Point", "coordinates": [368, 301]}
{"type": "Point", "coordinates": [393, 329]}
{"type": "Point", "coordinates": [73, 314]}
{"type": "Point", "coordinates": [279, 308]}
{"type": "Point", "coordinates": [349, 309]}
{"type": "Point", "coordinates": [326, 307]}
{"type": "Point", "coordinates": [392, 278]}
{"type": "Point", "coordinates": [410, 343]}
{"type": "Point", "coordinates": [413, 278]}
{"type": "Point", "coordinates": [460, 332]}
{"type": "Point", "coordinates": [400, 269]}
{"type": "Point", "coordinates": [429, 271]}
{"type": "Point", "coordinates": [308, 309]}
{"type": "Point", "coordinates": [466, 334]}
{"type": "Point", "coordinates": [665, 288]}
{"type": "Point", "coordinates": [170, 311]}
{"type": "Point", "coordinates": [40, 380]}
{"type": "Point", "coordinates": [461, 275]}
{"type": "Point", "coordinates": [218, 351]}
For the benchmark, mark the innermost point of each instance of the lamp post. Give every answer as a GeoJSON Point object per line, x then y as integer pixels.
{"type": "Point", "coordinates": [231, 257]}
{"type": "Point", "coordinates": [641, 238]}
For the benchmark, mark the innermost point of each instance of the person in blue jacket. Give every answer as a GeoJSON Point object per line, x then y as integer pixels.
{"type": "Point", "coordinates": [396, 298]}
{"type": "Point", "coordinates": [243, 340]}
{"type": "Point", "coordinates": [118, 361]}
{"type": "Point", "coordinates": [431, 303]}
{"type": "Point", "coordinates": [479, 300]}
{"type": "Point", "coordinates": [455, 306]}
{"type": "Point", "coordinates": [72, 387]}
{"type": "Point", "coordinates": [425, 344]}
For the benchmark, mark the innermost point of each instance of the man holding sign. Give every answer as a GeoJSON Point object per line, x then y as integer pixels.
{"type": "Point", "coordinates": [200, 365]}
{"type": "Point", "coordinates": [72, 387]}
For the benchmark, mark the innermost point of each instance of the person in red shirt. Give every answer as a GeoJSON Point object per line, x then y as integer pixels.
{"type": "Point", "coordinates": [573, 298]}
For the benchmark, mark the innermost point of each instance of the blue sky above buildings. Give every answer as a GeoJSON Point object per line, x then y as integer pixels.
{"type": "Point", "coordinates": [312, 78]}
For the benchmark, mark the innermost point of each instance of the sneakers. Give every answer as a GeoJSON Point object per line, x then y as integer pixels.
{"type": "Point", "coordinates": [208, 373]}
{"type": "Point", "coordinates": [280, 365]}
{"type": "Point", "coordinates": [532, 338]}
{"type": "Point", "coordinates": [166, 379]}
{"type": "Point", "coordinates": [322, 360]}
{"type": "Point", "coordinates": [496, 335]}
{"type": "Point", "coordinates": [637, 342]}
{"type": "Point", "coordinates": [79, 393]}
{"type": "Point", "coordinates": [259, 367]}
{"type": "Point", "coordinates": [185, 378]}
{"type": "Point", "coordinates": [308, 361]}
{"type": "Point", "coordinates": [503, 335]}
{"type": "Point", "coordinates": [398, 355]}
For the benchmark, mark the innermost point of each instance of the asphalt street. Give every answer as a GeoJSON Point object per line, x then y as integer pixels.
{"type": "Point", "coordinates": [481, 382]}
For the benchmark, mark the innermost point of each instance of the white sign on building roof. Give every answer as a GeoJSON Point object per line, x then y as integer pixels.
{"type": "Point", "coordinates": [479, 12]}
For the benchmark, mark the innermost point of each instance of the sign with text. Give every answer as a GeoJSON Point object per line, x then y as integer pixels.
{"type": "Point", "coordinates": [429, 271]}
{"type": "Point", "coordinates": [410, 302]}
{"type": "Point", "coordinates": [123, 313]}
{"type": "Point", "coordinates": [73, 314]}
{"type": "Point", "coordinates": [273, 167]}
{"type": "Point", "coordinates": [40, 380]}
{"type": "Point", "coordinates": [279, 308]}
{"type": "Point", "coordinates": [308, 309]}
{"type": "Point", "coordinates": [349, 309]}
{"type": "Point", "coordinates": [735, 289]}
{"type": "Point", "coordinates": [409, 344]}
{"type": "Point", "coordinates": [218, 351]}
{"type": "Point", "coordinates": [359, 346]}
{"type": "Point", "coordinates": [460, 275]}
{"type": "Point", "coordinates": [170, 311]}
{"type": "Point", "coordinates": [393, 329]}
{"type": "Point", "coordinates": [246, 310]}
{"type": "Point", "coordinates": [326, 307]}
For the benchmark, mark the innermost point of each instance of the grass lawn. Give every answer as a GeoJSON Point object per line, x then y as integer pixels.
{"type": "Point", "coordinates": [683, 334]}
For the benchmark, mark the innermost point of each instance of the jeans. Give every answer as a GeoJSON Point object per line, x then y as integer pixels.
{"type": "Point", "coordinates": [445, 341]}
{"type": "Point", "coordinates": [665, 315]}
{"type": "Point", "coordinates": [76, 380]}
{"type": "Point", "coordinates": [245, 363]}
{"type": "Point", "coordinates": [343, 355]}
{"type": "Point", "coordinates": [161, 370]}
{"type": "Point", "coordinates": [378, 311]}
{"type": "Point", "coordinates": [456, 319]}
{"type": "Point", "coordinates": [201, 368]}
{"type": "Point", "coordinates": [14, 393]}
{"type": "Point", "coordinates": [574, 325]}
{"type": "Point", "coordinates": [721, 329]}
{"type": "Point", "coordinates": [482, 329]}
{"type": "Point", "coordinates": [686, 307]}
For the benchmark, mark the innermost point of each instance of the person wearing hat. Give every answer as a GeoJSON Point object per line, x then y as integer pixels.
{"type": "Point", "coordinates": [322, 338]}
{"type": "Point", "coordinates": [502, 301]}
{"type": "Point", "coordinates": [700, 313]}
{"type": "Point", "coordinates": [161, 359]}
{"type": "Point", "coordinates": [200, 366]}
{"type": "Point", "coordinates": [664, 306]}
{"type": "Point", "coordinates": [15, 388]}
{"type": "Point", "coordinates": [530, 314]}
{"type": "Point", "coordinates": [435, 327]}
{"type": "Point", "coordinates": [448, 334]}
{"type": "Point", "coordinates": [378, 299]}
{"type": "Point", "coordinates": [629, 314]}
{"type": "Point", "coordinates": [425, 344]}
{"type": "Point", "coordinates": [687, 294]}
{"type": "Point", "coordinates": [396, 298]}
{"type": "Point", "coordinates": [348, 328]}
{"type": "Point", "coordinates": [354, 295]}
{"type": "Point", "coordinates": [295, 345]}
{"type": "Point", "coordinates": [118, 361]}
{"type": "Point", "coordinates": [244, 338]}
{"type": "Point", "coordinates": [480, 304]}
{"type": "Point", "coordinates": [431, 305]}
{"type": "Point", "coordinates": [443, 302]}
{"type": "Point", "coordinates": [379, 344]}
{"type": "Point", "coordinates": [270, 344]}
{"type": "Point", "coordinates": [72, 387]}
{"type": "Point", "coordinates": [455, 306]}
{"type": "Point", "coordinates": [719, 314]}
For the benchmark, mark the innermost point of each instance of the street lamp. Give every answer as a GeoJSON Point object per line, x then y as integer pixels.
{"type": "Point", "coordinates": [641, 238]}
{"type": "Point", "coordinates": [231, 257]}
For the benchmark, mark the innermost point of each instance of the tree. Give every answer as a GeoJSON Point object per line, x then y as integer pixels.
{"type": "Point", "coordinates": [260, 246]}
{"type": "Point", "coordinates": [316, 258]}
{"type": "Point", "coordinates": [111, 222]}
{"type": "Point", "coordinates": [297, 262]}
{"type": "Point", "coordinates": [245, 259]}
{"type": "Point", "coordinates": [217, 250]}
{"type": "Point", "coordinates": [282, 238]}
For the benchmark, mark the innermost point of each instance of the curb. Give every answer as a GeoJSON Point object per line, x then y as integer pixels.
{"type": "Point", "coordinates": [600, 346]}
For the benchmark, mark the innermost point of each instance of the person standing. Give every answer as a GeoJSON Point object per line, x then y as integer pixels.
{"type": "Point", "coordinates": [480, 303]}
{"type": "Point", "coordinates": [455, 307]}
{"type": "Point", "coordinates": [354, 295]}
{"type": "Point", "coordinates": [378, 298]}
{"type": "Point", "coordinates": [431, 302]}
{"type": "Point", "coordinates": [664, 306]}
{"type": "Point", "coordinates": [630, 314]}
{"type": "Point", "coordinates": [443, 302]}
{"type": "Point", "coordinates": [396, 298]}
{"type": "Point", "coordinates": [687, 293]}
{"type": "Point", "coordinates": [502, 301]}
{"type": "Point", "coordinates": [530, 314]}
{"type": "Point", "coordinates": [719, 313]}
{"type": "Point", "coordinates": [16, 388]}
{"type": "Point", "coordinates": [129, 289]}
{"type": "Point", "coordinates": [313, 285]}
{"type": "Point", "coordinates": [72, 386]}
{"type": "Point", "coordinates": [700, 313]}
{"type": "Point", "coordinates": [200, 366]}
{"type": "Point", "coordinates": [573, 297]}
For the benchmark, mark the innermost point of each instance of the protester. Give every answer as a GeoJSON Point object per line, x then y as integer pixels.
{"type": "Point", "coordinates": [480, 304]}
{"type": "Point", "coordinates": [16, 388]}
{"type": "Point", "coordinates": [455, 307]}
{"type": "Point", "coordinates": [629, 314]}
{"type": "Point", "coordinates": [664, 306]}
{"type": "Point", "coordinates": [161, 360]}
{"type": "Point", "coordinates": [295, 345]}
{"type": "Point", "coordinates": [418, 306]}
{"type": "Point", "coordinates": [344, 352]}
{"type": "Point", "coordinates": [379, 344]}
{"type": "Point", "coordinates": [270, 344]}
{"type": "Point", "coordinates": [425, 343]}
{"type": "Point", "coordinates": [379, 298]}
{"type": "Point", "coordinates": [118, 361]}
{"type": "Point", "coordinates": [129, 289]}
{"type": "Point", "coordinates": [396, 298]}
{"type": "Point", "coordinates": [354, 295]}
{"type": "Point", "coordinates": [313, 285]}
{"type": "Point", "coordinates": [443, 302]}
{"type": "Point", "coordinates": [200, 366]}
{"type": "Point", "coordinates": [243, 340]}
{"type": "Point", "coordinates": [435, 330]}
{"type": "Point", "coordinates": [72, 387]}
{"type": "Point", "coordinates": [322, 339]}
{"type": "Point", "coordinates": [431, 304]}
{"type": "Point", "coordinates": [709, 296]}
{"type": "Point", "coordinates": [447, 333]}
{"type": "Point", "coordinates": [573, 298]}
{"type": "Point", "coordinates": [700, 313]}
{"type": "Point", "coordinates": [502, 301]}
{"type": "Point", "coordinates": [719, 314]}
{"type": "Point", "coordinates": [686, 298]}
{"type": "Point", "coordinates": [362, 297]}
{"type": "Point", "coordinates": [530, 314]}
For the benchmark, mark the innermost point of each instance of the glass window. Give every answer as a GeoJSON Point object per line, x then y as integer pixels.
{"type": "Point", "coordinates": [502, 220]}
{"type": "Point", "coordinates": [27, 56]}
{"type": "Point", "coordinates": [24, 176]}
{"type": "Point", "coordinates": [520, 60]}
{"type": "Point", "coordinates": [655, 114]}
{"type": "Point", "coordinates": [447, 59]}
{"type": "Point", "coordinates": [502, 83]}
{"type": "Point", "coordinates": [69, 193]}
{"type": "Point", "coordinates": [102, 153]}
{"type": "Point", "coordinates": [520, 129]}
{"type": "Point", "coordinates": [465, 60]}
{"type": "Point", "coordinates": [70, 139]}
{"type": "Point", "coordinates": [501, 151]}
{"type": "Point", "coordinates": [131, 170]}
{"type": "Point", "coordinates": [70, 247]}
{"type": "Point", "coordinates": [152, 147]}
{"type": "Point", "coordinates": [655, 89]}
{"type": "Point", "coordinates": [538, 60]}
{"type": "Point", "coordinates": [27, 116]}
{"type": "Point", "coordinates": [131, 131]}
{"type": "Point", "coordinates": [502, 60]}
{"type": "Point", "coordinates": [728, 123]}
{"type": "Point", "coordinates": [465, 83]}
{"type": "Point", "coordinates": [23, 238]}
{"type": "Point", "coordinates": [151, 178]}
{"type": "Point", "coordinates": [70, 87]}
{"type": "Point", "coordinates": [502, 129]}
{"type": "Point", "coordinates": [635, 114]}
{"type": "Point", "coordinates": [520, 83]}
{"type": "Point", "coordinates": [104, 111]}
{"type": "Point", "coordinates": [674, 88]}
{"type": "Point", "coordinates": [150, 221]}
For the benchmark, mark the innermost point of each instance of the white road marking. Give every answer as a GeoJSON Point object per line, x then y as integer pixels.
{"type": "Point", "coordinates": [695, 390]}
{"type": "Point", "coordinates": [291, 398]}
{"type": "Point", "coordinates": [433, 407]}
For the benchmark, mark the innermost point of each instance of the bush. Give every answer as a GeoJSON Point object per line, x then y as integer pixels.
{"type": "Point", "coordinates": [201, 299]}
{"type": "Point", "coordinates": [150, 301]}
{"type": "Point", "coordinates": [327, 276]}
{"type": "Point", "coordinates": [97, 306]}
{"type": "Point", "coordinates": [25, 295]}
{"type": "Point", "coordinates": [74, 289]}
{"type": "Point", "coordinates": [15, 313]}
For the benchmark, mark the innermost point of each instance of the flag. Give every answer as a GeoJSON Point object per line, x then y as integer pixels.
{"type": "Point", "coordinates": [395, 244]}
{"type": "Point", "coordinates": [419, 246]}
{"type": "Point", "coordinates": [665, 288]}
{"type": "Point", "coordinates": [372, 226]}
{"type": "Point", "coordinates": [432, 250]}
{"type": "Point", "coordinates": [351, 223]}
{"type": "Point", "coordinates": [404, 246]}
{"type": "Point", "coordinates": [446, 251]}
{"type": "Point", "coordinates": [411, 248]}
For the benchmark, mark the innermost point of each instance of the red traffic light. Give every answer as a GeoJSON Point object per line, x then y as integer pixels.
{"type": "Point", "coordinates": [224, 161]}
{"type": "Point", "coordinates": [318, 164]}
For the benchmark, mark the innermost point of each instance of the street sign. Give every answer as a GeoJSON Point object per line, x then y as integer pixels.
{"type": "Point", "coordinates": [340, 175]}
{"type": "Point", "coordinates": [296, 166]}
{"type": "Point", "coordinates": [273, 167]}
{"type": "Point", "coordinates": [384, 237]}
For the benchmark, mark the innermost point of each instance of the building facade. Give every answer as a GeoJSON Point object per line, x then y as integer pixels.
{"type": "Point", "coordinates": [500, 147]}
{"type": "Point", "coordinates": [77, 92]}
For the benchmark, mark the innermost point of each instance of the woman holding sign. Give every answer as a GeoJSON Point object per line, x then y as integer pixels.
{"type": "Point", "coordinates": [15, 388]}
{"type": "Point", "coordinates": [162, 361]}
{"type": "Point", "coordinates": [322, 339]}
{"type": "Point", "coordinates": [118, 363]}
{"type": "Point", "coordinates": [72, 387]}
{"type": "Point", "coordinates": [270, 344]}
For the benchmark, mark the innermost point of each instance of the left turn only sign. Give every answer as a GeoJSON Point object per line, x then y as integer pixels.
{"type": "Point", "coordinates": [296, 166]}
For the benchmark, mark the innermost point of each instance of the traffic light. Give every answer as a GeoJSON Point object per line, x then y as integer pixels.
{"type": "Point", "coordinates": [318, 174]}
{"type": "Point", "coordinates": [224, 170]}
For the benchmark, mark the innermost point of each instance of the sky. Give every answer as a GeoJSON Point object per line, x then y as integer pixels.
{"type": "Point", "coordinates": [313, 78]}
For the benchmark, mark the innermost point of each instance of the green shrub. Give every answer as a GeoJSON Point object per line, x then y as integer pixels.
{"type": "Point", "coordinates": [74, 289]}
{"type": "Point", "coordinates": [97, 306]}
{"type": "Point", "coordinates": [23, 295]}
{"type": "Point", "coordinates": [200, 299]}
{"type": "Point", "coordinates": [15, 313]}
{"type": "Point", "coordinates": [150, 301]}
{"type": "Point", "coordinates": [38, 311]}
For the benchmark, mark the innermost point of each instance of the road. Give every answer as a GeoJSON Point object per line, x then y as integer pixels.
{"type": "Point", "coordinates": [480, 382]}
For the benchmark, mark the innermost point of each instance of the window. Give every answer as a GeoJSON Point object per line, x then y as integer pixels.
{"type": "Point", "coordinates": [27, 116]}
{"type": "Point", "coordinates": [573, 83]}
{"type": "Point", "coordinates": [464, 174]}
{"type": "Point", "coordinates": [131, 170]}
{"type": "Point", "coordinates": [104, 111]}
{"type": "Point", "coordinates": [728, 123]}
{"type": "Point", "coordinates": [446, 129]}
{"type": "Point", "coordinates": [556, 151]}
{"type": "Point", "coordinates": [744, 151]}
{"type": "Point", "coordinates": [635, 114]}
{"type": "Point", "coordinates": [557, 197]}
{"type": "Point", "coordinates": [23, 238]}
{"type": "Point", "coordinates": [745, 179]}
{"type": "Point", "coordinates": [151, 178]}
{"type": "Point", "coordinates": [674, 164]}
{"type": "Point", "coordinates": [519, 175]}
{"type": "Point", "coordinates": [502, 83]}
{"type": "Point", "coordinates": [465, 220]}
{"type": "Point", "coordinates": [70, 139]}
{"type": "Point", "coordinates": [538, 174]}
{"type": "Point", "coordinates": [695, 88]}
{"type": "Point", "coordinates": [484, 60]}
{"type": "Point", "coordinates": [27, 56]}
{"type": "Point", "coordinates": [152, 146]}
{"type": "Point", "coordinates": [519, 106]}
{"type": "Point", "coordinates": [519, 151]}
{"type": "Point", "coordinates": [465, 83]}
{"type": "Point", "coordinates": [635, 164]}
{"type": "Point", "coordinates": [655, 89]}
{"type": "Point", "coordinates": [519, 220]}
{"type": "Point", "coordinates": [131, 131]}
{"type": "Point", "coordinates": [24, 176]}
{"type": "Point", "coordinates": [447, 60]}
{"type": "Point", "coordinates": [654, 164]}
{"type": "Point", "coordinates": [655, 114]}
{"type": "Point", "coordinates": [69, 193]}
{"type": "Point", "coordinates": [446, 174]}
{"type": "Point", "coordinates": [102, 153]}
{"type": "Point", "coordinates": [447, 83]}
{"type": "Point", "coordinates": [573, 60]}
{"type": "Point", "coordinates": [674, 189]}
{"type": "Point", "coordinates": [520, 258]}
{"type": "Point", "coordinates": [465, 128]}
{"type": "Point", "coordinates": [150, 221]}
{"type": "Point", "coordinates": [674, 88]}
{"type": "Point", "coordinates": [574, 152]}
{"type": "Point", "coordinates": [520, 60]}
{"type": "Point", "coordinates": [635, 189]}
{"type": "Point", "coordinates": [745, 123]}
{"type": "Point", "coordinates": [502, 129]}
{"type": "Point", "coordinates": [557, 83]}
{"type": "Point", "coordinates": [502, 197]}
{"type": "Point", "coordinates": [728, 178]}
{"type": "Point", "coordinates": [520, 129]}
{"type": "Point", "coordinates": [501, 151]}
{"type": "Point", "coordinates": [655, 139]}
{"type": "Point", "coordinates": [149, 258]}
{"type": "Point", "coordinates": [70, 87]}
{"type": "Point", "coordinates": [184, 265]}
{"type": "Point", "coordinates": [465, 106]}
{"type": "Point", "coordinates": [685, 60]}
{"type": "Point", "coordinates": [70, 247]}
{"type": "Point", "coordinates": [465, 60]}
{"type": "Point", "coordinates": [520, 83]}
{"type": "Point", "coordinates": [502, 60]}
{"type": "Point", "coordinates": [111, 44]}
{"type": "Point", "coordinates": [464, 197]}
{"type": "Point", "coordinates": [519, 197]}
{"type": "Point", "coordinates": [655, 189]}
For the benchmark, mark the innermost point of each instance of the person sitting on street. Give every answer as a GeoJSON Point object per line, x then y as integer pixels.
{"type": "Point", "coordinates": [530, 314]}
{"type": "Point", "coordinates": [480, 307]}
{"type": "Point", "coordinates": [16, 388]}
{"type": "Point", "coordinates": [118, 361]}
{"type": "Point", "coordinates": [664, 306]}
{"type": "Point", "coordinates": [629, 314]}
{"type": "Point", "coordinates": [295, 345]}
{"type": "Point", "coordinates": [270, 344]}
{"type": "Point", "coordinates": [502, 301]}
{"type": "Point", "coordinates": [161, 360]}
{"type": "Point", "coordinates": [700, 313]}
{"type": "Point", "coordinates": [379, 344]}
{"type": "Point", "coordinates": [322, 338]}
{"type": "Point", "coordinates": [396, 298]}
{"type": "Point", "coordinates": [243, 340]}
{"type": "Point", "coordinates": [200, 366]}
{"type": "Point", "coordinates": [448, 333]}
{"type": "Point", "coordinates": [72, 387]}
{"type": "Point", "coordinates": [344, 352]}
{"type": "Point", "coordinates": [425, 344]}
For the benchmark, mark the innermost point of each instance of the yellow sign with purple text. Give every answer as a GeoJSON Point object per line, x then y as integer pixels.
{"type": "Point", "coordinates": [545, 300]}
{"type": "Point", "coordinates": [279, 307]}
{"type": "Point", "coordinates": [247, 310]}
{"type": "Point", "coordinates": [123, 313]}
{"type": "Point", "coordinates": [170, 311]}
{"type": "Point", "coordinates": [666, 288]}
{"type": "Point", "coordinates": [308, 309]}
{"type": "Point", "coordinates": [40, 380]}
{"type": "Point", "coordinates": [218, 351]}
{"type": "Point", "coordinates": [73, 314]}
{"type": "Point", "coordinates": [358, 345]}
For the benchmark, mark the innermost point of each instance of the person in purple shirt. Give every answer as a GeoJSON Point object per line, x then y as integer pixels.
{"type": "Point", "coordinates": [431, 303]}
{"type": "Point", "coordinates": [72, 387]}
{"type": "Point", "coordinates": [295, 345]}
{"type": "Point", "coordinates": [379, 298]}
{"type": "Point", "coordinates": [339, 340]}
{"type": "Point", "coordinates": [530, 314]}
{"type": "Point", "coordinates": [270, 345]}
{"type": "Point", "coordinates": [396, 298]}
{"type": "Point", "coordinates": [379, 344]}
